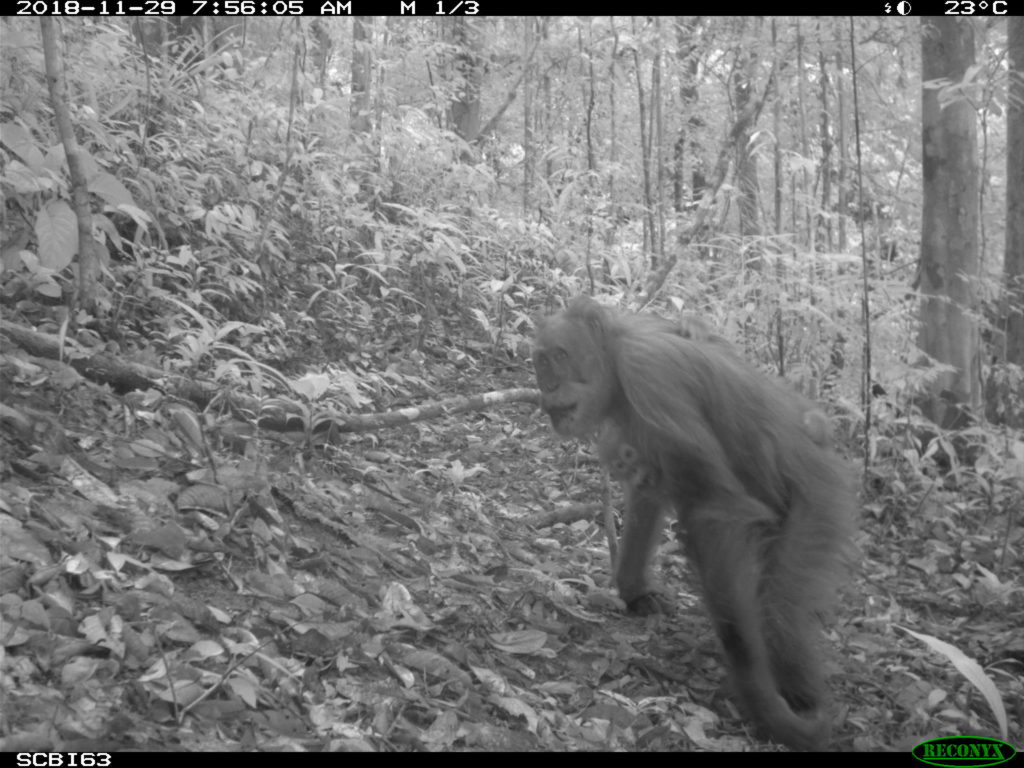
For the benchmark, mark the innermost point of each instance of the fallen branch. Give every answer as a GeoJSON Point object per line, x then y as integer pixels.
{"type": "Point", "coordinates": [276, 414]}
{"type": "Point", "coordinates": [568, 515]}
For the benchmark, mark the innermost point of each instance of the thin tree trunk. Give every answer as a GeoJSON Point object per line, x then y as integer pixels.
{"type": "Point", "coordinates": [529, 159]}
{"type": "Point", "coordinates": [87, 262]}
{"type": "Point", "coordinates": [1013, 268]}
{"type": "Point", "coordinates": [359, 108]}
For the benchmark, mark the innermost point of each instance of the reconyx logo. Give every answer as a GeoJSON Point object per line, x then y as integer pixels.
{"type": "Point", "coordinates": [960, 751]}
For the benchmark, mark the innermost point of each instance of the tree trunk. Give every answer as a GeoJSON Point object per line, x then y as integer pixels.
{"type": "Point", "coordinates": [359, 108]}
{"type": "Point", "coordinates": [744, 77]}
{"type": "Point", "coordinates": [464, 109]}
{"type": "Point", "coordinates": [88, 266]}
{"type": "Point", "coordinates": [1013, 269]}
{"type": "Point", "coordinates": [949, 227]}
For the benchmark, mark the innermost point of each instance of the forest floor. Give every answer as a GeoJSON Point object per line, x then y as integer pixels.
{"type": "Point", "coordinates": [390, 592]}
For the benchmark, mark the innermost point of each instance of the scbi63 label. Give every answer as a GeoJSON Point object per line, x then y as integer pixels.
{"type": "Point", "coordinates": [63, 760]}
